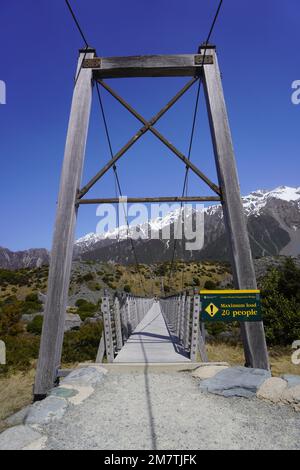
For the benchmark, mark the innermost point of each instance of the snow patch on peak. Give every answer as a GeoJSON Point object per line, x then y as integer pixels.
{"type": "Point", "coordinates": [285, 193]}
{"type": "Point", "coordinates": [253, 203]}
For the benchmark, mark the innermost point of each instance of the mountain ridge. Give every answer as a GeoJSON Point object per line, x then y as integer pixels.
{"type": "Point", "coordinates": [273, 220]}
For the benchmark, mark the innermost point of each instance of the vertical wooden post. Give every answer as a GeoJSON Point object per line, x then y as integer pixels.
{"type": "Point", "coordinates": [187, 323]}
{"type": "Point", "coordinates": [195, 327]}
{"type": "Point", "coordinates": [107, 327]}
{"type": "Point", "coordinates": [128, 313]}
{"type": "Point", "coordinates": [117, 318]}
{"type": "Point", "coordinates": [101, 350]}
{"type": "Point", "coordinates": [182, 319]}
{"type": "Point", "coordinates": [256, 353]}
{"type": "Point", "coordinates": [124, 320]}
{"type": "Point", "coordinates": [64, 232]}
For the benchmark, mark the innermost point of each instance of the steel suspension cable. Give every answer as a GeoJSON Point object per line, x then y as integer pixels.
{"type": "Point", "coordinates": [117, 180]}
{"type": "Point", "coordinates": [77, 23]}
{"type": "Point", "coordinates": [185, 183]}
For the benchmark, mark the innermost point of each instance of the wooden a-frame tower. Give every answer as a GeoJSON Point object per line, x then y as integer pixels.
{"type": "Point", "coordinates": [203, 66]}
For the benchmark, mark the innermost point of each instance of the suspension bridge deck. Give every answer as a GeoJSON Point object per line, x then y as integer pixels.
{"type": "Point", "coordinates": [152, 342]}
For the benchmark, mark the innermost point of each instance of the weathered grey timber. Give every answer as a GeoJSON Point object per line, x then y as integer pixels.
{"type": "Point", "coordinates": [63, 240]}
{"type": "Point", "coordinates": [101, 350]}
{"type": "Point", "coordinates": [107, 327]}
{"type": "Point", "coordinates": [113, 200]}
{"type": "Point", "coordinates": [195, 328]}
{"type": "Point", "coordinates": [187, 321]}
{"type": "Point", "coordinates": [244, 276]}
{"type": "Point", "coordinates": [124, 320]}
{"type": "Point", "coordinates": [183, 65]}
{"type": "Point", "coordinates": [2, 352]}
{"type": "Point", "coordinates": [118, 326]}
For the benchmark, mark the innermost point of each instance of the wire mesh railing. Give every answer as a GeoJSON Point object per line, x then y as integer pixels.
{"type": "Point", "coordinates": [182, 315]}
{"type": "Point", "coordinates": [121, 315]}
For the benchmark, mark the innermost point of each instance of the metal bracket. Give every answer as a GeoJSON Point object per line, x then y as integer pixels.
{"type": "Point", "coordinates": [94, 63]}
{"type": "Point", "coordinates": [203, 59]}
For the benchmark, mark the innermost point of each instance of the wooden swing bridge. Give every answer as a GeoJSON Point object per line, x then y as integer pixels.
{"type": "Point", "coordinates": [148, 331]}
{"type": "Point", "coordinates": [170, 322]}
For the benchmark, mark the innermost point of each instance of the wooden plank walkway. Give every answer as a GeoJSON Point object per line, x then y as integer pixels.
{"type": "Point", "coordinates": [151, 342]}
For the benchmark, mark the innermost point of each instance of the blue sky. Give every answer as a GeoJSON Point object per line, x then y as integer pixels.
{"type": "Point", "coordinates": [257, 44]}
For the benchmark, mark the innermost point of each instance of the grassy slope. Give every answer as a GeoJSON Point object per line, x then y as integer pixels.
{"type": "Point", "coordinates": [148, 280]}
{"type": "Point", "coordinates": [15, 393]}
{"type": "Point", "coordinates": [96, 276]}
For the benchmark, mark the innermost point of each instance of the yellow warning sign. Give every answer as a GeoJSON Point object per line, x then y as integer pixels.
{"type": "Point", "coordinates": [211, 309]}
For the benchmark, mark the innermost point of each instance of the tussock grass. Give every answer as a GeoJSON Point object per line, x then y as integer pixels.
{"type": "Point", "coordinates": [15, 394]}
{"type": "Point", "coordinates": [222, 352]}
{"type": "Point", "coordinates": [280, 358]}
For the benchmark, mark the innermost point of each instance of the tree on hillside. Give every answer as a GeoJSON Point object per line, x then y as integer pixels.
{"type": "Point", "coordinates": [289, 280]}
{"type": "Point", "coordinates": [281, 312]}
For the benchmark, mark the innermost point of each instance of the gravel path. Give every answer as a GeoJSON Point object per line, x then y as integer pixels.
{"type": "Point", "coordinates": [167, 411]}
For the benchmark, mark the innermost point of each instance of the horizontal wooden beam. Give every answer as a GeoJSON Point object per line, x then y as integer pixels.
{"type": "Point", "coordinates": [184, 65]}
{"type": "Point", "coordinates": [131, 200]}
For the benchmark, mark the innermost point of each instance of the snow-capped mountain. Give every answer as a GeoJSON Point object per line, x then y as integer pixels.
{"type": "Point", "coordinates": [273, 218]}
{"type": "Point", "coordinates": [133, 231]}
{"type": "Point", "coordinates": [257, 200]}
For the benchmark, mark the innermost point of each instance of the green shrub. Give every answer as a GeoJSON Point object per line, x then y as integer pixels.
{"type": "Point", "coordinates": [112, 285]}
{"type": "Point", "coordinates": [210, 285]}
{"type": "Point", "coordinates": [127, 288]}
{"type": "Point", "coordinates": [281, 314]}
{"type": "Point", "coordinates": [86, 309]}
{"type": "Point", "coordinates": [214, 328]}
{"type": "Point", "coordinates": [289, 280]}
{"type": "Point", "coordinates": [88, 277]}
{"type": "Point", "coordinates": [32, 298]}
{"type": "Point", "coordinates": [83, 303]}
{"type": "Point", "coordinates": [20, 353]}
{"type": "Point", "coordinates": [10, 317]}
{"type": "Point", "coordinates": [82, 345]}
{"type": "Point", "coordinates": [31, 306]}
{"type": "Point", "coordinates": [18, 278]}
{"type": "Point", "coordinates": [35, 326]}
{"type": "Point", "coordinates": [161, 270]}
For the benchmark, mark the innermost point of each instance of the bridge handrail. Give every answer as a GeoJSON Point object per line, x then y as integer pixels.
{"type": "Point", "coordinates": [122, 312]}
{"type": "Point", "coordinates": [182, 315]}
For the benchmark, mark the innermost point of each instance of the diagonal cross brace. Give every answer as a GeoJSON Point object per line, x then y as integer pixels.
{"type": "Point", "coordinates": [148, 125]}
{"type": "Point", "coordinates": [154, 131]}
